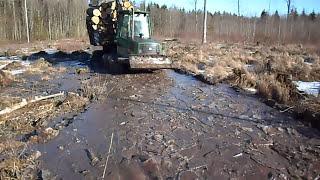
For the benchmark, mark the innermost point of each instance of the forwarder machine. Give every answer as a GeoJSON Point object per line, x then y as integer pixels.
{"type": "Point", "coordinates": [125, 35]}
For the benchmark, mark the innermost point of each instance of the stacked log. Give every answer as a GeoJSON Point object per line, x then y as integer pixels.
{"type": "Point", "coordinates": [102, 20]}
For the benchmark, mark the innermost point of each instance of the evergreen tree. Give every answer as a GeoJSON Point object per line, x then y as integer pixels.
{"type": "Point", "coordinates": [312, 16]}
{"type": "Point", "coordinates": [303, 13]}
{"type": "Point", "coordinates": [264, 14]}
{"type": "Point", "coordinates": [294, 13]}
{"type": "Point", "coordinates": [276, 15]}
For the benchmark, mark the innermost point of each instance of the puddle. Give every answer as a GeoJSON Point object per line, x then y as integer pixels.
{"type": "Point", "coordinates": [74, 64]}
{"type": "Point", "coordinates": [66, 155]}
{"type": "Point", "coordinates": [17, 72]}
{"type": "Point", "coordinates": [51, 51]}
{"type": "Point", "coordinates": [310, 88]}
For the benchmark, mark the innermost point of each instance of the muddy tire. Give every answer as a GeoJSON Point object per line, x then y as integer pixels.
{"type": "Point", "coordinates": [112, 65]}
{"type": "Point", "coordinates": [96, 56]}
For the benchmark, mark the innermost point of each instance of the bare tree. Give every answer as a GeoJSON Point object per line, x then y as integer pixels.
{"type": "Point", "coordinates": [289, 2]}
{"type": "Point", "coordinates": [27, 20]}
{"type": "Point", "coordinates": [204, 39]}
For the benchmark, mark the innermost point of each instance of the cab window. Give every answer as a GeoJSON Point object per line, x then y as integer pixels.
{"type": "Point", "coordinates": [124, 30]}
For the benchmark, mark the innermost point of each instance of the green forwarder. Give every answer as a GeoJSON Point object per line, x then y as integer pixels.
{"type": "Point", "coordinates": [125, 35]}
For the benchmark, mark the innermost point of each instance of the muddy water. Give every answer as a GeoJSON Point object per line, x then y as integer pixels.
{"type": "Point", "coordinates": [168, 125]}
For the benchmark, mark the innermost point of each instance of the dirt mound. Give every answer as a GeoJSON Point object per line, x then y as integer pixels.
{"type": "Point", "coordinates": [13, 66]}
{"type": "Point", "coordinates": [309, 111]}
{"type": "Point", "coordinates": [41, 63]}
{"type": "Point", "coordinates": [5, 79]}
{"type": "Point", "coordinates": [61, 55]}
{"type": "Point", "coordinates": [80, 55]}
{"type": "Point", "coordinates": [40, 54]}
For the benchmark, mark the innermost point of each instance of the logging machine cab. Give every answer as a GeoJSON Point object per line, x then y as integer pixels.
{"type": "Point", "coordinates": [133, 35]}
{"type": "Point", "coordinates": [139, 29]}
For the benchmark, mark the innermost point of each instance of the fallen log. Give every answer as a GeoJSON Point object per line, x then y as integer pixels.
{"type": "Point", "coordinates": [95, 20]}
{"type": "Point", "coordinates": [24, 103]}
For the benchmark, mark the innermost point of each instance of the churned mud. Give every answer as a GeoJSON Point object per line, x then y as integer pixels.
{"type": "Point", "coordinates": [166, 126]}
{"type": "Point", "coordinates": [141, 125]}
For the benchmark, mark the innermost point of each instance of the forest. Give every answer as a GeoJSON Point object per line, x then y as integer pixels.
{"type": "Point", "coordinates": [50, 20]}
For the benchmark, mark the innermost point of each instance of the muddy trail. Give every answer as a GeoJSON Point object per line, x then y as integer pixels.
{"type": "Point", "coordinates": [167, 125]}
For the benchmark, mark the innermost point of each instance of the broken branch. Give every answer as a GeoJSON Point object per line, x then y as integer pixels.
{"type": "Point", "coordinates": [24, 103]}
{"type": "Point", "coordinates": [105, 166]}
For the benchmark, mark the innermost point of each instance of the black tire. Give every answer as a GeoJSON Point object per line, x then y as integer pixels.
{"type": "Point", "coordinates": [96, 56]}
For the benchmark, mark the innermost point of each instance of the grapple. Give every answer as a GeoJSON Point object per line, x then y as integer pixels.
{"type": "Point", "coordinates": [150, 62]}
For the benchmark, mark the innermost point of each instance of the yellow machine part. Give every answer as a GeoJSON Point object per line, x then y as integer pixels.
{"type": "Point", "coordinates": [126, 5]}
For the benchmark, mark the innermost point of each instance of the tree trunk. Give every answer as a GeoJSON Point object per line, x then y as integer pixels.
{"type": "Point", "coordinates": [14, 20]}
{"type": "Point", "coordinates": [27, 22]}
{"type": "Point", "coordinates": [196, 14]}
{"type": "Point", "coordinates": [204, 39]}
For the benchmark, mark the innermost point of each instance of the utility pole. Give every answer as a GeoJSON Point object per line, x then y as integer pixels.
{"type": "Point", "coordinates": [27, 22]}
{"type": "Point", "coordinates": [269, 6]}
{"type": "Point", "coordinates": [239, 8]}
{"type": "Point", "coordinates": [204, 39]}
{"type": "Point", "coordinates": [196, 13]}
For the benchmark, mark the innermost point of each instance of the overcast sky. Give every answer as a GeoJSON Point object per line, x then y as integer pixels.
{"type": "Point", "coordinates": [247, 7]}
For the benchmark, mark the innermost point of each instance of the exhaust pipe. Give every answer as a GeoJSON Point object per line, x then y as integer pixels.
{"type": "Point", "coordinates": [132, 25]}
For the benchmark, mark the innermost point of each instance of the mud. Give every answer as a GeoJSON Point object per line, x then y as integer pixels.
{"type": "Point", "coordinates": [164, 124]}
{"type": "Point", "coordinates": [168, 125]}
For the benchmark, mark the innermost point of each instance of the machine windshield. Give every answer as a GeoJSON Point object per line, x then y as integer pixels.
{"type": "Point", "coordinates": [141, 26]}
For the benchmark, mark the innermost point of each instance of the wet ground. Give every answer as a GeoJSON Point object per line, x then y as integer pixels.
{"type": "Point", "coordinates": [167, 125]}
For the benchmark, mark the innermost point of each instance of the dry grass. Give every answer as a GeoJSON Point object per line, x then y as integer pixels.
{"type": "Point", "coordinates": [96, 88]}
{"type": "Point", "coordinates": [270, 87]}
{"type": "Point", "coordinates": [5, 79]}
{"type": "Point", "coordinates": [13, 66]}
{"type": "Point", "coordinates": [269, 69]}
{"type": "Point", "coordinates": [8, 101]}
{"type": "Point", "coordinates": [42, 66]}
{"type": "Point", "coordinates": [35, 115]}
{"type": "Point", "coordinates": [18, 165]}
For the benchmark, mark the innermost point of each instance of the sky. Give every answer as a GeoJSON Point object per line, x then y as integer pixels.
{"type": "Point", "coordinates": [247, 7]}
